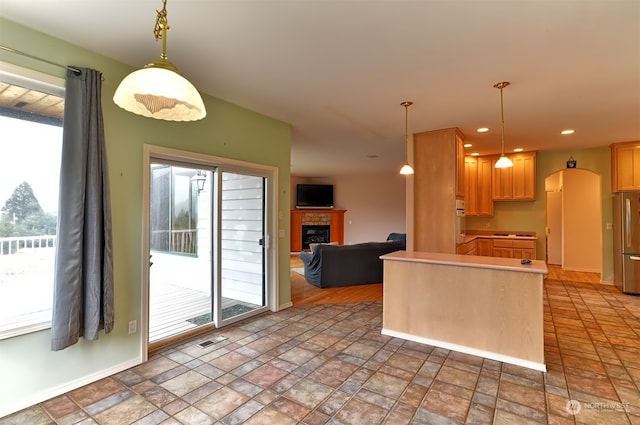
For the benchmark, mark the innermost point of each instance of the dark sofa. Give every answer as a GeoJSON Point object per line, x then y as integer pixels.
{"type": "Point", "coordinates": [332, 266]}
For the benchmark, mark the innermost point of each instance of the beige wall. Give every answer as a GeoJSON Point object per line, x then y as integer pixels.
{"type": "Point", "coordinates": [375, 204]}
{"type": "Point", "coordinates": [582, 237]}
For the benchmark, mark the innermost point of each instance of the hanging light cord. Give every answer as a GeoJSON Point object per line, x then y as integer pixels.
{"type": "Point", "coordinates": [500, 86]}
{"type": "Point", "coordinates": [406, 105]}
{"type": "Point", "coordinates": [406, 132]}
{"type": "Point", "coordinates": [502, 117]}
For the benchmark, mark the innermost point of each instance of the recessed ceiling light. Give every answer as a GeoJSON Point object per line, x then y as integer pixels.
{"type": "Point", "coordinates": [467, 145]}
{"type": "Point", "coordinates": [475, 154]}
{"type": "Point", "coordinates": [568, 131]}
{"type": "Point", "coordinates": [518, 150]}
{"type": "Point", "coordinates": [482, 129]}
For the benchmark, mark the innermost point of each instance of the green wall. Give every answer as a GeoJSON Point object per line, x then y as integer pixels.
{"type": "Point", "coordinates": [29, 371]}
{"type": "Point", "coordinates": [531, 215]}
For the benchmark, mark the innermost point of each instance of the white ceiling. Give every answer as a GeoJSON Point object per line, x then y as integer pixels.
{"type": "Point", "coordinates": [337, 70]}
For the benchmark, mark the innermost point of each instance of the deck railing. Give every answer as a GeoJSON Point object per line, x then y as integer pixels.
{"type": "Point", "coordinates": [177, 241]}
{"type": "Point", "coordinates": [16, 244]}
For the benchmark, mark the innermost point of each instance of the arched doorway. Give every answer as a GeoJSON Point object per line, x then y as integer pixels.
{"type": "Point", "coordinates": [574, 219]}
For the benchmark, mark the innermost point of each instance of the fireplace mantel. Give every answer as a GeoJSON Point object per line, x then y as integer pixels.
{"type": "Point", "coordinates": [330, 217]}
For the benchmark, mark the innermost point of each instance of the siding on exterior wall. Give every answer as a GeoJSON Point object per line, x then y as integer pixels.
{"type": "Point", "coordinates": [242, 228]}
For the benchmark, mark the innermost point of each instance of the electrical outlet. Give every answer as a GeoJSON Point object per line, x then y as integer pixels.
{"type": "Point", "coordinates": [609, 226]}
{"type": "Point", "coordinates": [281, 233]}
{"type": "Point", "coordinates": [133, 326]}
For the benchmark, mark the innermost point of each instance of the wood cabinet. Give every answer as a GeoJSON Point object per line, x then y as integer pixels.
{"type": "Point", "coordinates": [518, 248]}
{"type": "Point", "coordinates": [500, 247]}
{"type": "Point", "coordinates": [484, 247]}
{"type": "Point", "coordinates": [517, 183]}
{"type": "Point", "coordinates": [332, 218]}
{"type": "Point", "coordinates": [625, 166]}
{"type": "Point", "coordinates": [467, 248]}
{"type": "Point", "coordinates": [525, 249]}
{"type": "Point", "coordinates": [470, 186]}
{"type": "Point", "coordinates": [460, 182]}
{"type": "Point", "coordinates": [478, 196]}
{"type": "Point", "coordinates": [438, 180]}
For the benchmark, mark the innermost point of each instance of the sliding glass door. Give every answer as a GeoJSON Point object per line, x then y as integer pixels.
{"type": "Point", "coordinates": [240, 277]}
{"type": "Point", "coordinates": [180, 293]}
{"type": "Point", "coordinates": [208, 242]}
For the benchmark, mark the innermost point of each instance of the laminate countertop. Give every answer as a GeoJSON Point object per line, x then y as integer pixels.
{"type": "Point", "coordinates": [470, 236]}
{"type": "Point", "coordinates": [474, 261]}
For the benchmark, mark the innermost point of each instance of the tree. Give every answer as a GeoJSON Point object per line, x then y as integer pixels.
{"type": "Point", "coordinates": [22, 215]}
{"type": "Point", "coordinates": [22, 203]}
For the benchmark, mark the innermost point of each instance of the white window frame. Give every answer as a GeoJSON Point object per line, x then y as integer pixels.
{"type": "Point", "coordinates": [46, 83]}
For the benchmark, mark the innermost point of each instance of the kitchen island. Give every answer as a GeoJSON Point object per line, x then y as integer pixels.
{"type": "Point", "coordinates": [485, 306]}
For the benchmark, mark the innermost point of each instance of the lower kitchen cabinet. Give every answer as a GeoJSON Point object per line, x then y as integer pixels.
{"type": "Point", "coordinates": [525, 249]}
{"type": "Point", "coordinates": [500, 247]}
{"type": "Point", "coordinates": [484, 247]}
{"type": "Point", "coordinates": [467, 248]}
{"type": "Point", "coordinates": [518, 248]}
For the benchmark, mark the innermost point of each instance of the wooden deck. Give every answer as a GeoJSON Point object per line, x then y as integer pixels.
{"type": "Point", "coordinates": [172, 306]}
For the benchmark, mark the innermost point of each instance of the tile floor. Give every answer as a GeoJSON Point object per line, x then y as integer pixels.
{"type": "Point", "coordinates": [329, 364]}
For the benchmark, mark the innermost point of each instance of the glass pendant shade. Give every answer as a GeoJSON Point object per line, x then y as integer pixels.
{"type": "Point", "coordinates": [503, 162]}
{"type": "Point", "coordinates": [406, 169]}
{"type": "Point", "coordinates": [158, 90]}
{"type": "Point", "coordinates": [160, 93]}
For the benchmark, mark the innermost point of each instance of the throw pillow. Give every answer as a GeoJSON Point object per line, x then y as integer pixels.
{"type": "Point", "coordinates": [313, 246]}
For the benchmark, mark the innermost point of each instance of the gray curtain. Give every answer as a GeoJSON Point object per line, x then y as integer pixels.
{"type": "Point", "coordinates": [83, 285]}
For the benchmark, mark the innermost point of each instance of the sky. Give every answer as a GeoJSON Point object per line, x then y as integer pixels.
{"type": "Point", "coordinates": [30, 152]}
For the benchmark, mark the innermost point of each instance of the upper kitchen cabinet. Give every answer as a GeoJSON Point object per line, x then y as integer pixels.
{"type": "Point", "coordinates": [625, 166]}
{"type": "Point", "coordinates": [517, 183]}
{"type": "Point", "coordinates": [438, 180]}
{"type": "Point", "coordinates": [478, 196]}
{"type": "Point", "coordinates": [471, 185]}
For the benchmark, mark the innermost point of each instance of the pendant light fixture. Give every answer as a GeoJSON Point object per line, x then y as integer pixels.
{"type": "Point", "coordinates": [504, 161]}
{"type": "Point", "coordinates": [159, 90]}
{"type": "Point", "coordinates": [406, 168]}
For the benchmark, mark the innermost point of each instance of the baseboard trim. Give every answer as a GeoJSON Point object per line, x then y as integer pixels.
{"type": "Point", "coordinates": [468, 350]}
{"type": "Point", "coordinates": [48, 393]}
{"type": "Point", "coordinates": [285, 306]}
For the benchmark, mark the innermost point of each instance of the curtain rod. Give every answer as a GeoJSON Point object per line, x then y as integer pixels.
{"type": "Point", "coordinates": [9, 49]}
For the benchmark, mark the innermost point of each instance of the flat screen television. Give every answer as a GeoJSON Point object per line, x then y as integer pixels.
{"type": "Point", "coordinates": [314, 196]}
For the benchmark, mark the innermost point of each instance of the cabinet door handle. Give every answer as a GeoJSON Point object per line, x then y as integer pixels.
{"type": "Point", "coordinates": [635, 257]}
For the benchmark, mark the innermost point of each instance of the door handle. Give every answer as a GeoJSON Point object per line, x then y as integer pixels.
{"type": "Point", "coordinates": [635, 257]}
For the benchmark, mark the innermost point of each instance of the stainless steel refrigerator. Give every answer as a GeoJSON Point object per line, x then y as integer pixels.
{"type": "Point", "coordinates": [626, 241]}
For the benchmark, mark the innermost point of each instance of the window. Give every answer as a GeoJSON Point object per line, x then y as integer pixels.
{"type": "Point", "coordinates": [174, 209]}
{"type": "Point", "coordinates": [31, 111]}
